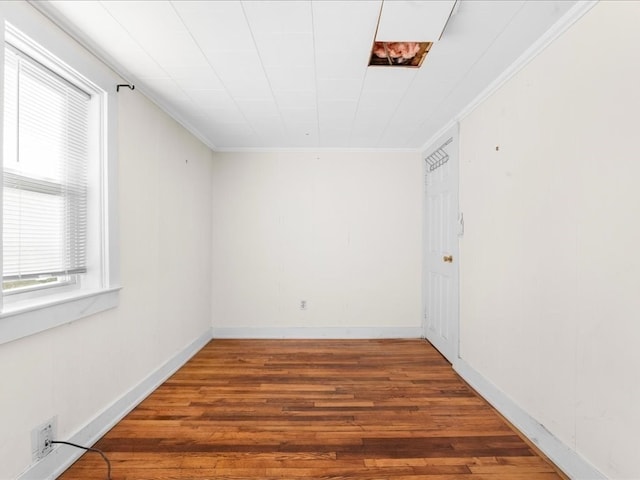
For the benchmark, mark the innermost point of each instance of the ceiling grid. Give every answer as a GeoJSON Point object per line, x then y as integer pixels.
{"type": "Point", "coordinates": [294, 73]}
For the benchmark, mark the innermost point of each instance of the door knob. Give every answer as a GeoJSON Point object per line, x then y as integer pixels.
{"type": "Point", "coordinates": [448, 258]}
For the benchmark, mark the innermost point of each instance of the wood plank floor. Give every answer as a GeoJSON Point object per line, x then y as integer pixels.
{"type": "Point", "coordinates": [299, 409]}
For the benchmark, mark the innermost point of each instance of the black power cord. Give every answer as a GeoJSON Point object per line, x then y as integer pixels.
{"type": "Point", "coordinates": [89, 449]}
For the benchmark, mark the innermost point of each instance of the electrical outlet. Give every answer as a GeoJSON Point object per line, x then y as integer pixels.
{"type": "Point", "coordinates": [303, 304]}
{"type": "Point", "coordinates": [42, 438]}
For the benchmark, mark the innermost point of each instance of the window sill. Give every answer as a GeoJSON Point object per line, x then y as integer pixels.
{"type": "Point", "coordinates": [22, 319]}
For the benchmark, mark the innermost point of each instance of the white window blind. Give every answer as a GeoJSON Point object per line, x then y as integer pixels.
{"type": "Point", "coordinates": [46, 142]}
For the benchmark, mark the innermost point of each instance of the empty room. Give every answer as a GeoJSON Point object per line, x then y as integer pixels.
{"type": "Point", "coordinates": [369, 239]}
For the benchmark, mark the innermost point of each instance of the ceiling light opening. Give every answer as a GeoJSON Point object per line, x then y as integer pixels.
{"type": "Point", "coordinates": [399, 54]}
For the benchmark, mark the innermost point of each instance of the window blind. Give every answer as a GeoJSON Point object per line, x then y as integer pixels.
{"type": "Point", "coordinates": [46, 140]}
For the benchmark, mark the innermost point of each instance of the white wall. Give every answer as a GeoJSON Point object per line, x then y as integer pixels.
{"type": "Point", "coordinates": [550, 267]}
{"type": "Point", "coordinates": [77, 370]}
{"type": "Point", "coordinates": [340, 230]}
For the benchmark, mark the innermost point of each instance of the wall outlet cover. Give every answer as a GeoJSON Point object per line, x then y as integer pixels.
{"type": "Point", "coordinates": [42, 437]}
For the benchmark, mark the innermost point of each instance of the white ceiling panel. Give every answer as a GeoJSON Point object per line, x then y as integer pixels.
{"type": "Point", "coordinates": [196, 78]}
{"type": "Point", "coordinates": [382, 78]}
{"type": "Point", "coordinates": [296, 99]}
{"type": "Point", "coordinates": [233, 129]}
{"type": "Point", "coordinates": [235, 63]}
{"type": "Point", "coordinates": [299, 115]}
{"type": "Point", "coordinates": [245, 87]}
{"type": "Point", "coordinates": [349, 25]}
{"type": "Point", "coordinates": [216, 25]}
{"type": "Point", "coordinates": [292, 79]}
{"type": "Point", "coordinates": [342, 64]}
{"type": "Point", "coordinates": [294, 73]}
{"type": "Point", "coordinates": [155, 12]}
{"type": "Point", "coordinates": [380, 102]}
{"type": "Point", "coordinates": [279, 16]}
{"type": "Point", "coordinates": [302, 134]}
{"type": "Point", "coordinates": [371, 118]}
{"type": "Point", "coordinates": [223, 115]}
{"type": "Point", "coordinates": [174, 48]}
{"type": "Point", "coordinates": [334, 110]}
{"type": "Point", "coordinates": [337, 117]}
{"type": "Point", "coordinates": [336, 138]}
{"type": "Point", "coordinates": [285, 49]}
{"type": "Point", "coordinates": [268, 126]}
{"type": "Point", "coordinates": [415, 21]}
{"type": "Point", "coordinates": [258, 108]}
{"type": "Point", "coordinates": [97, 27]}
{"type": "Point", "coordinates": [212, 99]}
{"type": "Point", "coordinates": [339, 88]}
{"type": "Point", "coordinates": [271, 131]}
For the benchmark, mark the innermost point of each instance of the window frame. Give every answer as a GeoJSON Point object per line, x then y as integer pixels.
{"type": "Point", "coordinates": [29, 313]}
{"type": "Point", "coordinates": [68, 280]}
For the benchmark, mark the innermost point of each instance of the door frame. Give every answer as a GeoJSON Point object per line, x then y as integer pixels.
{"type": "Point", "coordinates": [457, 228]}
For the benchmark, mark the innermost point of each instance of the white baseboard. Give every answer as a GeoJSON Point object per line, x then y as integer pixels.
{"type": "Point", "coordinates": [567, 459]}
{"type": "Point", "coordinates": [318, 333]}
{"type": "Point", "coordinates": [54, 464]}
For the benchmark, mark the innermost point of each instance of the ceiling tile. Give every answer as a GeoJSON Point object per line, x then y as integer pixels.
{"type": "Point", "coordinates": [278, 16]}
{"type": "Point", "coordinates": [178, 49]}
{"type": "Point", "coordinates": [334, 110]}
{"type": "Point", "coordinates": [156, 14]}
{"type": "Point", "coordinates": [218, 25]}
{"type": "Point", "coordinates": [234, 63]}
{"type": "Point", "coordinates": [383, 78]}
{"type": "Point", "coordinates": [163, 88]}
{"type": "Point", "coordinates": [295, 99]}
{"type": "Point", "coordinates": [369, 124]}
{"type": "Point", "coordinates": [196, 78]}
{"type": "Point", "coordinates": [162, 35]}
{"type": "Point", "coordinates": [300, 130]}
{"type": "Point", "coordinates": [272, 140]}
{"type": "Point", "coordinates": [269, 124]}
{"type": "Point", "coordinates": [345, 25]}
{"type": "Point", "coordinates": [218, 115]}
{"type": "Point", "coordinates": [294, 73]}
{"type": "Point", "coordinates": [292, 79]}
{"type": "Point", "coordinates": [246, 88]}
{"type": "Point", "coordinates": [284, 49]}
{"type": "Point", "coordinates": [342, 64]}
{"type": "Point", "coordinates": [97, 27]}
{"type": "Point", "coordinates": [303, 139]}
{"type": "Point", "coordinates": [233, 129]}
{"type": "Point", "coordinates": [299, 115]}
{"type": "Point", "coordinates": [270, 130]}
{"type": "Point", "coordinates": [416, 21]}
{"type": "Point", "coordinates": [208, 99]}
{"type": "Point", "coordinates": [335, 138]}
{"type": "Point", "coordinates": [339, 88]}
{"type": "Point", "coordinates": [336, 121]}
{"type": "Point", "coordinates": [258, 108]}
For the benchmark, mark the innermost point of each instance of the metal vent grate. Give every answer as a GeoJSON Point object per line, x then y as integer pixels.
{"type": "Point", "coordinates": [439, 157]}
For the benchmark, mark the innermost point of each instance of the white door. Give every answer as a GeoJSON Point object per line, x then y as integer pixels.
{"type": "Point", "coordinates": [441, 246]}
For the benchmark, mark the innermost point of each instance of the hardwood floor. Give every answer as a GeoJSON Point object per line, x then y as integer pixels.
{"type": "Point", "coordinates": [330, 409]}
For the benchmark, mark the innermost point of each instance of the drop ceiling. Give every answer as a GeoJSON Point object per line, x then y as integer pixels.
{"type": "Point", "coordinates": [294, 74]}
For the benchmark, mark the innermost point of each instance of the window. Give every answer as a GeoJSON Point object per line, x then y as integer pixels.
{"type": "Point", "coordinates": [45, 155]}
{"type": "Point", "coordinates": [59, 229]}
